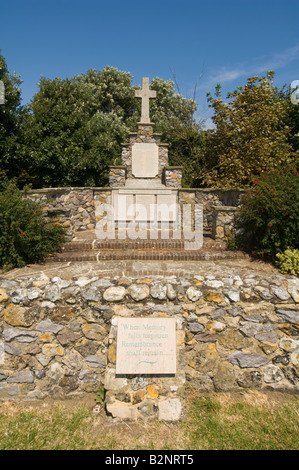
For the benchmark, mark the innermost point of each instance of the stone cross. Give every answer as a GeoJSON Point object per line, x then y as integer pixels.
{"type": "Point", "coordinates": [145, 94]}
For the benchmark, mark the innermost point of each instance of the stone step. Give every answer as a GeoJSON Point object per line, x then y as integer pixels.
{"type": "Point", "coordinates": [175, 255]}
{"type": "Point", "coordinates": [140, 244]}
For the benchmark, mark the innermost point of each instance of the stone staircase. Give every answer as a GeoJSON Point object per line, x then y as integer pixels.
{"type": "Point", "coordinates": [87, 247]}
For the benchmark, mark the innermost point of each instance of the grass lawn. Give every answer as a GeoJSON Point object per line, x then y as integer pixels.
{"type": "Point", "coordinates": [227, 421]}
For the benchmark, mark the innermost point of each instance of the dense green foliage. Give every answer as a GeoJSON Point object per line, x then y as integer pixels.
{"type": "Point", "coordinates": [25, 237]}
{"type": "Point", "coordinates": [288, 262]}
{"type": "Point", "coordinates": [251, 134]}
{"type": "Point", "coordinates": [269, 216]}
{"type": "Point", "coordinates": [75, 127]}
{"type": "Point", "coordinates": [11, 117]}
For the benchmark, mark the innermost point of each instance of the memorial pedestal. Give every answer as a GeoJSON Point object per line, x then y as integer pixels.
{"type": "Point", "coordinates": [145, 376]}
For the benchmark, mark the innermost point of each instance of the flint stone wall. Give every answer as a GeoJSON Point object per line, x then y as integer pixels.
{"type": "Point", "coordinates": [80, 209]}
{"type": "Point", "coordinates": [58, 336]}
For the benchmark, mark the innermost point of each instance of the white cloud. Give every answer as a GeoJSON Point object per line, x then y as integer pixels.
{"type": "Point", "coordinates": [280, 60]}
{"type": "Point", "coordinates": [258, 66]}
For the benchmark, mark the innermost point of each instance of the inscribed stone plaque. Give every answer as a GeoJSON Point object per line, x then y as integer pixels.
{"type": "Point", "coordinates": [123, 207]}
{"type": "Point", "coordinates": [167, 208]}
{"type": "Point", "coordinates": [146, 346]}
{"type": "Point", "coordinates": [145, 160]}
{"type": "Point", "coordinates": [145, 207]}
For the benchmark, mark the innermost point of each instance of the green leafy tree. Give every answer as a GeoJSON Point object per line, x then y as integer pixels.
{"type": "Point", "coordinates": [25, 237]}
{"type": "Point", "coordinates": [10, 119]}
{"type": "Point", "coordinates": [269, 215]}
{"type": "Point", "coordinates": [291, 116]}
{"type": "Point", "coordinates": [173, 116]}
{"type": "Point", "coordinates": [251, 135]}
{"type": "Point", "coordinates": [76, 126]}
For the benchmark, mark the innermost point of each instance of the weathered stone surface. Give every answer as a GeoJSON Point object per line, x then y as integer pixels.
{"type": "Point", "coordinates": [214, 326]}
{"type": "Point", "coordinates": [272, 374]}
{"type": "Point", "coordinates": [52, 349]}
{"type": "Point", "coordinates": [146, 408]}
{"type": "Point", "coordinates": [112, 382]}
{"type": "Point", "coordinates": [293, 289]}
{"type": "Point", "coordinates": [250, 379]}
{"type": "Point", "coordinates": [139, 291]}
{"type": "Point", "coordinates": [46, 326]}
{"type": "Point", "coordinates": [193, 294]}
{"type": "Point", "coordinates": [170, 409]}
{"type": "Point", "coordinates": [250, 328]}
{"type": "Point", "coordinates": [67, 337]}
{"type": "Point", "coordinates": [3, 295]}
{"type": "Point", "coordinates": [34, 293]}
{"type": "Point", "coordinates": [93, 331]}
{"type": "Point", "coordinates": [291, 316]}
{"type": "Point", "coordinates": [170, 292]}
{"type": "Point", "coordinates": [268, 336]}
{"type": "Point", "coordinates": [18, 295]}
{"type": "Point", "coordinates": [52, 293]}
{"type": "Point", "coordinates": [122, 411]}
{"type": "Point", "coordinates": [232, 294]}
{"type": "Point", "coordinates": [96, 362]}
{"type": "Point", "coordinates": [158, 291]}
{"type": "Point", "coordinates": [288, 344]}
{"type": "Point", "coordinates": [16, 315]}
{"type": "Point", "coordinates": [263, 292]}
{"type": "Point", "coordinates": [247, 360]}
{"type": "Point", "coordinates": [231, 339]}
{"type": "Point", "coordinates": [280, 293]}
{"type": "Point", "coordinates": [195, 327]}
{"type": "Point", "coordinates": [91, 294]}
{"type": "Point", "coordinates": [114, 294]}
{"type": "Point", "coordinates": [214, 297]}
{"type": "Point", "coordinates": [224, 379]}
{"type": "Point", "coordinates": [152, 392]}
{"type": "Point", "coordinates": [19, 335]}
{"type": "Point", "coordinates": [24, 376]}
{"type": "Point", "coordinates": [295, 357]}
{"type": "Point", "coordinates": [63, 314]}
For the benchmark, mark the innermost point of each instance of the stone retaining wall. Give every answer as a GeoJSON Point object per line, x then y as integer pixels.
{"type": "Point", "coordinates": [80, 209]}
{"type": "Point", "coordinates": [58, 336]}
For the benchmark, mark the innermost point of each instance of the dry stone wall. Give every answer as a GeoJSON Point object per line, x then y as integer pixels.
{"type": "Point", "coordinates": [58, 336]}
{"type": "Point", "coordinates": [79, 209]}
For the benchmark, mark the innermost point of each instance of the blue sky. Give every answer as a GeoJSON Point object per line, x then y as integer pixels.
{"type": "Point", "coordinates": [201, 42]}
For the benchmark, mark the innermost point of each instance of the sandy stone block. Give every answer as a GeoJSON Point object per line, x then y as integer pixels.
{"type": "Point", "coordinates": [170, 409]}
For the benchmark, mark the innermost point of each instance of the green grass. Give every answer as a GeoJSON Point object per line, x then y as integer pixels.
{"type": "Point", "coordinates": [253, 421]}
{"type": "Point", "coordinates": [243, 425]}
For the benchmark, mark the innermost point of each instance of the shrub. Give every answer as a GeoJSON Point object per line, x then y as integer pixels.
{"type": "Point", "coordinates": [25, 237]}
{"type": "Point", "coordinates": [269, 215]}
{"type": "Point", "coordinates": [288, 262]}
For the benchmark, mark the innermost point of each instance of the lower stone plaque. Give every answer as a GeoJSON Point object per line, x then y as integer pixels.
{"type": "Point", "coordinates": [146, 346]}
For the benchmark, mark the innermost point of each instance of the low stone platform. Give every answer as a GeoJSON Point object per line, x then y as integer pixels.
{"type": "Point", "coordinates": [87, 247]}
{"type": "Point", "coordinates": [236, 320]}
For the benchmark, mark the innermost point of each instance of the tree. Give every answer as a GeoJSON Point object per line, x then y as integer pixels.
{"type": "Point", "coordinates": [174, 119]}
{"type": "Point", "coordinates": [251, 135]}
{"type": "Point", "coordinates": [10, 119]}
{"type": "Point", "coordinates": [291, 117]}
{"type": "Point", "coordinates": [75, 127]}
